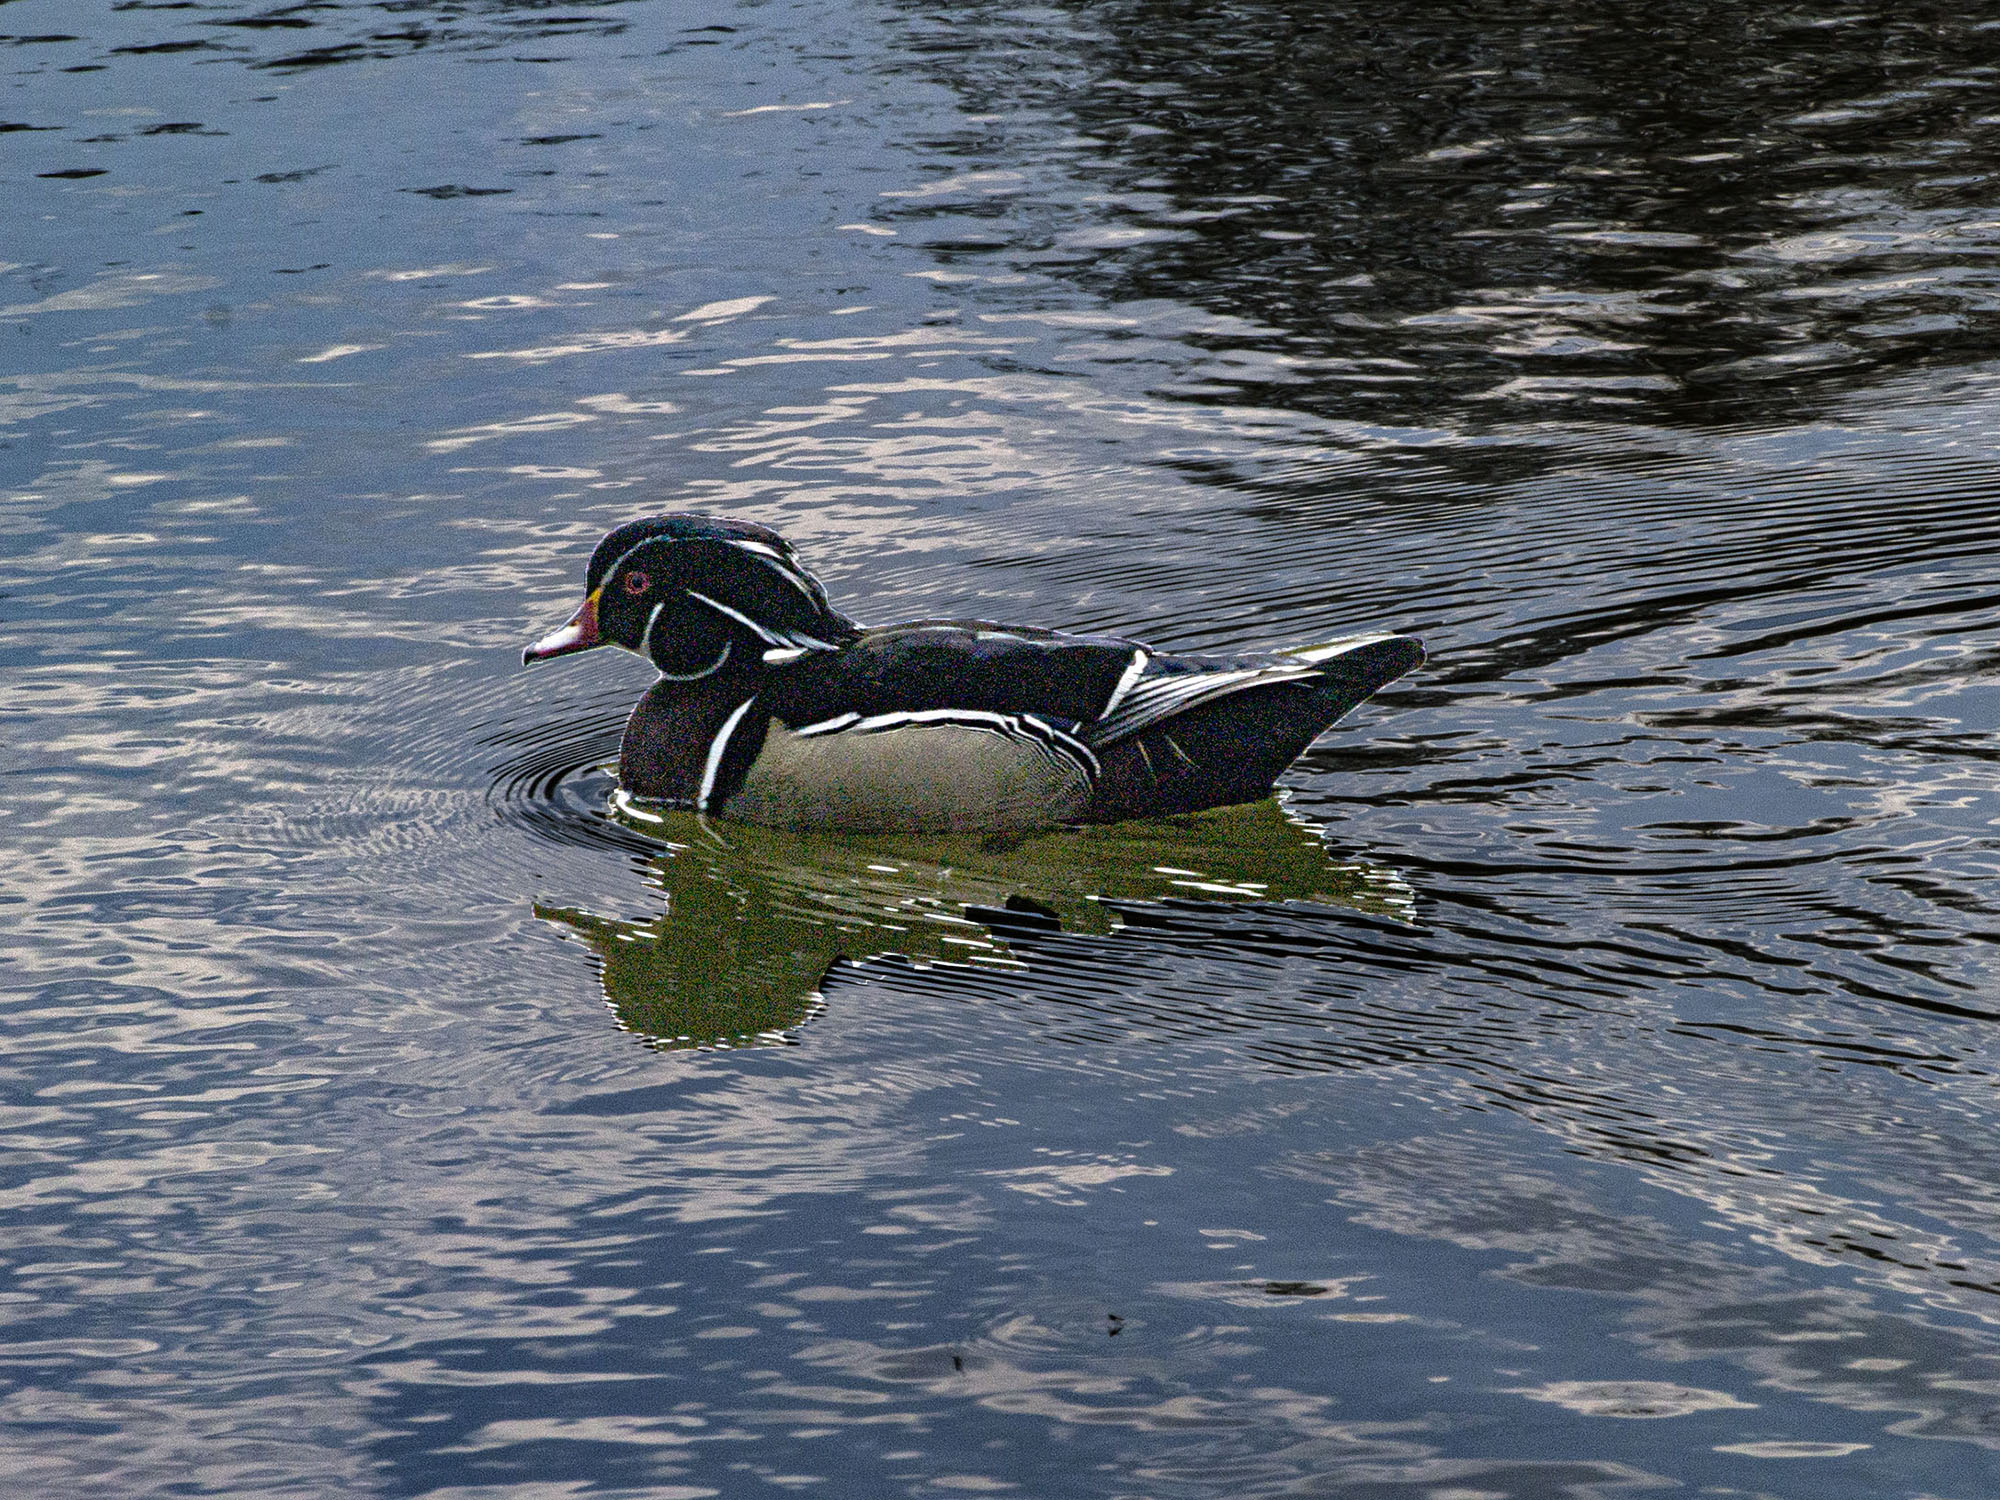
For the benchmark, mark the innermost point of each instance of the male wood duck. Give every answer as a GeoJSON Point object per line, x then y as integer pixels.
{"type": "Point", "coordinates": [772, 707]}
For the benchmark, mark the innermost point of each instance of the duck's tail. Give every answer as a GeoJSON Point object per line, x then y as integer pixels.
{"type": "Point", "coordinates": [1194, 734]}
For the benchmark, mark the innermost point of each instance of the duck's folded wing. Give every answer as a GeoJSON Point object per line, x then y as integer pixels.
{"type": "Point", "coordinates": [961, 725]}
{"type": "Point", "coordinates": [1101, 689]}
{"type": "Point", "coordinates": [1189, 734]}
{"type": "Point", "coordinates": [949, 666]}
{"type": "Point", "coordinates": [1155, 689]}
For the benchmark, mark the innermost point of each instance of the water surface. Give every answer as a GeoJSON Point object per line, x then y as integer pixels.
{"type": "Point", "coordinates": [1583, 1088]}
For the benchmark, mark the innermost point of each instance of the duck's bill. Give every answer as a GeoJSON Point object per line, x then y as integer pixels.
{"type": "Point", "coordinates": [578, 633]}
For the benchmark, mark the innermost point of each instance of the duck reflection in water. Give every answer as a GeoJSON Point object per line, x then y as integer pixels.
{"type": "Point", "coordinates": [756, 917]}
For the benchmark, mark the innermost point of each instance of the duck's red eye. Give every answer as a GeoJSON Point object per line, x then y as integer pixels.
{"type": "Point", "coordinates": [637, 582]}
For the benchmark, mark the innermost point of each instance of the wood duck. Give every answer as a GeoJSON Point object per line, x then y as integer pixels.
{"type": "Point", "coordinates": [772, 707]}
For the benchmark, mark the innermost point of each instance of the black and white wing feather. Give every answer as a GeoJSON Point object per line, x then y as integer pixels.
{"type": "Point", "coordinates": [1154, 689]}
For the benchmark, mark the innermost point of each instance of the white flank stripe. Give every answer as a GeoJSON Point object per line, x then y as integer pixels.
{"type": "Point", "coordinates": [1068, 745]}
{"type": "Point", "coordinates": [828, 726]}
{"type": "Point", "coordinates": [1023, 729]}
{"type": "Point", "coordinates": [717, 748]}
{"type": "Point", "coordinates": [972, 718]}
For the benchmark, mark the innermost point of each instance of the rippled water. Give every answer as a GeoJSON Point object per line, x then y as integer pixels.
{"type": "Point", "coordinates": [1583, 1088]}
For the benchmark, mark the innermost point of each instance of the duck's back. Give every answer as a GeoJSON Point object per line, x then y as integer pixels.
{"type": "Point", "coordinates": [955, 664]}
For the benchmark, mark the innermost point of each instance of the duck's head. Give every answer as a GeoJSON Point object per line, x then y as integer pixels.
{"type": "Point", "coordinates": [693, 594]}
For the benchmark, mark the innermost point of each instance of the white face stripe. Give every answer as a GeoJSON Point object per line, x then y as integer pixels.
{"type": "Point", "coordinates": [782, 565]}
{"type": "Point", "coordinates": [766, 554]}
{"type": "Point", "coordinates": [612, 571]}
{"type": "Point", "coordinates": [768, 637]}
{"type": "Point", "coordinates": [717, 748]}
{"type": "Point", "coordinates": [708, 671]}
{"type": "Point", "coordinates": [646, 636]}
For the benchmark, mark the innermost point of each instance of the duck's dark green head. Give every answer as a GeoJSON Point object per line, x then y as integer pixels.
{"type": "Point", "coordinates": [693, 594]}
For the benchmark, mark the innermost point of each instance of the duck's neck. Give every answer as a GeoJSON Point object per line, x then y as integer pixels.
{"type": "Point", "coordinates": [667, 739]}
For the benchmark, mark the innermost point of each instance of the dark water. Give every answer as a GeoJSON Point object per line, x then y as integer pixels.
{"type": "Point", "coordinates": [1584, 1090]}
